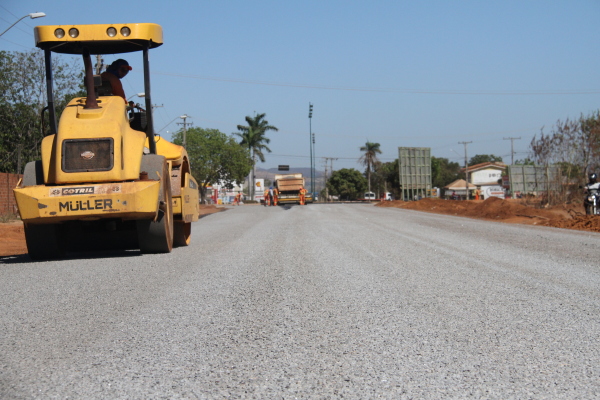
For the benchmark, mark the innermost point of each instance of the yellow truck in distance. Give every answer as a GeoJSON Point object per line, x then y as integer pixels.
{"type": "Point", "coordinates": [288, 186]}
{"type": "Point", "coordinates": [103, 176]}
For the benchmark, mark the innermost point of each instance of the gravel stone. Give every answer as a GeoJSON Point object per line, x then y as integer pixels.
{"type": "Point", "coordinates": [312, 302]}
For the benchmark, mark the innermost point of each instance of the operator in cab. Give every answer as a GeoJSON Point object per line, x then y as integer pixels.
{"type": "Point", "coordinates": [114, 73]}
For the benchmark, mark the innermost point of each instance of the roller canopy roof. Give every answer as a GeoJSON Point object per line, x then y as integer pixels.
{"type": "Point", "coordinates": [98, 39]}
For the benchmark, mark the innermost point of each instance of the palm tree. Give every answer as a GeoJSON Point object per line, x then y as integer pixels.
{"type": "Point", "coordinates": [369, 158]}
{"type": "Point", "coordinates": [253, 137]}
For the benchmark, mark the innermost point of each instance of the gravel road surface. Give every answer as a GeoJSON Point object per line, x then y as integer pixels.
{"type": "Point", "coordinates": [320, 301]}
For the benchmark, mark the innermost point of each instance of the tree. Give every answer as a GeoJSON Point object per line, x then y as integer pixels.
{"type": "Point", "coordinates": [589, 139]}
{"type": "Point", "coordinates": [386, 177]}
{"type": "Point", "coordinates": [574, 144]}
{"type": "Point", "coordinates": [349, 184]}
{"type": "Point", "coordinates": [484, 158]}
{"type": "Point", "coordinates": [369, 158]}
{"type": "Point", "coordinates": [254, 139]}
{"type": "Point", "coordinates": [443, 172]}
{"type": "Point", "coordinates": [22, 99]}
{"type": "Point", "coordinates": [214, 157]}
{"type": "Point", "coordinates": [525, 161]}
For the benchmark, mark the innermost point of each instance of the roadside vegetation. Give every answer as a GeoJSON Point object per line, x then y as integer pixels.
{"type": "Point", "coordinates": [23, 102]}
{"type": "Point", "coordinates": [571, 144]}
{"type": "Point", "coordinates": [215, 158]}
{"type": "Point", "coordinates": [253, 137]}
{"type": "Point", "coordinates": [574, 144]}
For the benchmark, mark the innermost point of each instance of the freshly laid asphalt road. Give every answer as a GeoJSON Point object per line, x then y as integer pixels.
{"type": "Point", "coordinates": [320, 301]}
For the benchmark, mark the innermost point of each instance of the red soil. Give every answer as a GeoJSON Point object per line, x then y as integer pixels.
{"type": "Point", "coordinates": [567, 216]}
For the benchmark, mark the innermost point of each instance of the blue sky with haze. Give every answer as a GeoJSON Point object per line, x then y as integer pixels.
{"type": "Point", "coordinates": [399, 73]}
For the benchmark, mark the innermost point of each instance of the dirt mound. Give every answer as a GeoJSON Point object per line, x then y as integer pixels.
{"type": "Point", "coordinates": [511, 211]}
{"type": "Point", "coordinates": [12, 238]}
{"type": "Point", "coordinates": [492, 208]}
{"type": "Point", "coordinates": [581, 222]}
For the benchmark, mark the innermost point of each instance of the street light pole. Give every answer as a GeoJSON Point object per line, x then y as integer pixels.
{"type": "Point", "coordinates": [32, 16]}
{"type": "Point", "coordinates": [313, 175]}
{"type": "Point", "coordinates": [137, 94]}
{"type": "Point", "coordinates": [310, 143]}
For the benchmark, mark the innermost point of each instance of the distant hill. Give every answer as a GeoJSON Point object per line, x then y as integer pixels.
{"type": "Point", "coordinates": [269, 174]}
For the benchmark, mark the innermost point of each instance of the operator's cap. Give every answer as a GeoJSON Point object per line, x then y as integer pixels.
{"type": "Point", "coordinates": [121, 63]}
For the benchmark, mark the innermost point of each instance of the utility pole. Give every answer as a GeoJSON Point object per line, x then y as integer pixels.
{"type": "Point", "coordinates": [330, 159]}
{"type": "Point", "coordinates": [184, 117]}
{"type": "Point", "coordinates": [99, 64]}
{"type": "Point", "coordinates": [512, 150]}
{"type": "Point", "coordinates": [326, 193]}
{"type": "Point", "coordinates": [466, 169]}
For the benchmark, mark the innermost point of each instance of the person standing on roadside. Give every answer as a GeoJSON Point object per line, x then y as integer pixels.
{"type": "Point", "coordinates": [271, 196]}
{"type": "Point", "coordinates": [302, 196]}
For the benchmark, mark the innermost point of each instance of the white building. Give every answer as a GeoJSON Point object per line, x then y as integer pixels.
{"type": "Point", "coordinates": [224, 195]}
{"type": "Point", "coordinates": [488, 179]}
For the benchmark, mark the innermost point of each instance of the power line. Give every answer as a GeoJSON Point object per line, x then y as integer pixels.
{"type": "Point", "coordinates": [386, 90]}
{"type": "Point", "coordinates": [337, 158]}
{"type": "Point", "coordinates": [168, 124]}
{"type": "Point", "coordinates": [16, 44]}
{"type": "Point", "coordinates": [17, 27]}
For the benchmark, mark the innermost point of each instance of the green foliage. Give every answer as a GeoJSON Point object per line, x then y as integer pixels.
{"type": "Point", "coordinates": [525, 161]}
{"type": "Point", "coordinates": [348, 184]}
{"type": "Point", "coordinates": [386, 177]}
{"type": "Point", "coordinates": [369, 158]}
{"type": "Point", "coordinates": [215, 157]}
{"type": "Point", "coordinates": [253, 137]}
{"type": "Point", "coordinates": [22, 99]}
{"type": "Point", "coordinates": [570, 171]}
{"type": "Point", "coordinates": [484, 158]}
{"type": "Point", "coordinates": [443, 172]}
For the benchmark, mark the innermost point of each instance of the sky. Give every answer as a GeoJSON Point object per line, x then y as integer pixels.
{"type": "Point", "coordinates": [399, 73]}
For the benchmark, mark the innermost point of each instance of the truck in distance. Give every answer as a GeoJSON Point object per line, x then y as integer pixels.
{"type": "Point", "coordinates": [288, 187]}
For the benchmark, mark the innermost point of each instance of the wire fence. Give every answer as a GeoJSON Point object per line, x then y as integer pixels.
{"type": "Point", "coordinates": [545, 182]}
